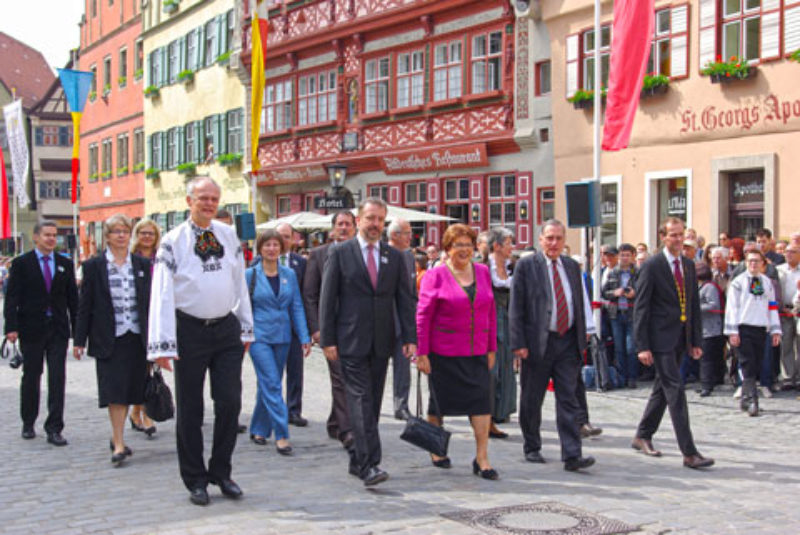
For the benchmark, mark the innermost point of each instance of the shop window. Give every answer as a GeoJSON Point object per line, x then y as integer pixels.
{"type": "Point", "coordinates": [410, 78]}
{"type": "Point", "coordinates": [547, 204]}
{"type": "Point", "coordinates": [609, 222]}
{"type": "Point", "coordinates": [376, 85]}
{"type": "Point", "coordinates": [486, 61]}
{"type": "Point", "coordinates": [447, 69]}
{"type": "Point", "coordinates": [672, 201]}
{"type": "Point", "coordinates": [746, 203]}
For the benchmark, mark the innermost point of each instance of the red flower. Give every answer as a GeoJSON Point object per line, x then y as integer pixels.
{"type": "Point", "coordinates": [719, 57]}
{"type": "Point", "coordinates": [728, 74]}
{"type": "Point", "coordinates": [738, 65]}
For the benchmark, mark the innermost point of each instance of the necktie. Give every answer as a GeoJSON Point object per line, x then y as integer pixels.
{"type": "Point", "coordinates": [678, 274]}
{"type": "Point", "coordinates": [372, 267]}
{"type": "Point", "coordinates": [48, 275]}
{"type": "Point", "coordinates": [562, 312]}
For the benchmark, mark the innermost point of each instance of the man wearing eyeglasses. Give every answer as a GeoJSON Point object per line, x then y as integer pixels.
{"type": "Point", "coordinates": [789, 273]}
{"type": "Point", "coordinates": [399, 232]}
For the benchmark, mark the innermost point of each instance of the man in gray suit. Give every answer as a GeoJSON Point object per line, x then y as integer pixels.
{"type": "Point", "coordinates": [363, 280]}
{"type": "Point", "coordinates": [550, 319]}
{"type": "Point", "coordinates": [399, 232]}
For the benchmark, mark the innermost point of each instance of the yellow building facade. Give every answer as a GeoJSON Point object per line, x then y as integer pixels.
{"type": "Point", "coordinates": [194, 105]}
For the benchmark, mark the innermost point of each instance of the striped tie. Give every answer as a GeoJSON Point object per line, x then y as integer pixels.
{"type": "Point", "coordinates": [562, 312]}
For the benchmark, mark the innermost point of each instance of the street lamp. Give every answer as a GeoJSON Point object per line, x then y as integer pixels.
{"type": "Point", "coordinates": [337, 173]}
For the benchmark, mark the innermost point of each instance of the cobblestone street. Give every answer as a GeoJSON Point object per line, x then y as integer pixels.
{"type": "Point", "coordinates": [75, 490]}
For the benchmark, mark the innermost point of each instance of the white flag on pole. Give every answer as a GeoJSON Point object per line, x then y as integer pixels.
{"type": "Point", "coordinates": [18, 147]}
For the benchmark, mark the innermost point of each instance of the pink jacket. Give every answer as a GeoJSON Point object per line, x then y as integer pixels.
{"type": "Point", "coordinates": [447, 324]}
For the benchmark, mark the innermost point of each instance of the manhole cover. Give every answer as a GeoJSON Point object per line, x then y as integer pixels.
{"type": "Point", "coordinates": [546, 518]}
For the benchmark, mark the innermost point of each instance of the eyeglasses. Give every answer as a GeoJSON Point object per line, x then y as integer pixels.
{"type": "Point", "coordinates": [120, 231]}
{"type": "Point", "coordinates": [146, 233]}
{"type": "Point", "coordinates": [753, 260]}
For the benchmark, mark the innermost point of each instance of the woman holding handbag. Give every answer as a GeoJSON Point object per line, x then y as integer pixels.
{"type": "Point", "coordinates": [457, 340]}
{"type": "Point", "coordinates": [112, 314]}
{"type": "Point", "coordinates": [277, 309]}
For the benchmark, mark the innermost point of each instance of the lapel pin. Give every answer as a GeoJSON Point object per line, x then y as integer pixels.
{"type": "Point", "coordinates": [60, 268]}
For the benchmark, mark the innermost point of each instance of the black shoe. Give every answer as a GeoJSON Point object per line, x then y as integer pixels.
{"type": "Point", "coordinates": [497, 434]}
{"type": "Point", "coordinates": [534, 457]}
{"type": "Point", "coordinates": [286, 450]}
{"type": "Point", "coordinates": [135, 426]}
{"type": "Point", "coordinates": [402, 414]}
{"type": "Point", "coordinates": [489, 473]}
{"type": "Point", "coordinates": [705, 392]}
{"type": "Point", "coordinates": [752, 409]}
{"type": "Point", "coordinates": [374, 476]}
{"type": "Point", "coordinates": [198, 496]}
{"type": "Point", "coordinates": [150, 431]}
{"type": "Point", "coordinates": [127, 451]}
{"type": "Point", "coordinates": [117, 458]}
{"type": "Point", "coordinates": [298, 420]}
{"type": "Point", "coordinates": [578, 463]}
{"type": "Point", "coordinates": [56, 439]}
{"type": "Point", "coordinates": [241, 429]}
{"type": "Point", "coordinates": [258, 440]}
{"type": "Point", "coordinates": [228, 487]}
{"type": "Point", "coordinates": [444, 462]}
{"type": "Point", "coordinates": [28, 433]}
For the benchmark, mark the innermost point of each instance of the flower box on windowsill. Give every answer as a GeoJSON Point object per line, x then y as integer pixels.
{"type": "Point", "coordinates": [151, 91]}
{"type": "Point", "coordinates": [224, 58]}
{"type": "Point", "coordinates": [152, 172]}
{"type": "Point", "coordinates": [92, 96]}
{"type": "Point", "coordinates": [186, 77]}
{"type": "Point", "coordinates": [584, 100]}
{"type": "Point", "coordinates": [728, 77]}
{"type": "Point", "coordinates": [122, 171]}
{"type": "Point", "coordinates": [138, 167]}
{"type": "Point", "coordinates": [105, 175]}
{"type": "Point", "coordinates": [137, 75]}
{"type": "Point", "coordinates": [171, 6]}
{"type": "Point", "coordinates": [230, 160]}
{"type": "Point", "coordinates": [654, 91]}
{"type": "Point", "coordinates": [189, 169]}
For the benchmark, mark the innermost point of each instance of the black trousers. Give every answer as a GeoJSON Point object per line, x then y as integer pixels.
{"type": "Point", "coordinates": [401, 377]}
{"type": "Point", "coordinates": [338, 423]}
{"type": "Point", "coordinates": [562, 363]}
{"type": "Point", "coordinates": [668, 391]}
{"type": "Point", "coordinates": [364, 380]}
{"type": "Point", "coordinates": [294, 378]}
{"type": "Point", "coordinates": [52, 348]}
{"type": "Point", "coordinates": [583, 403]}
{"type": "Point", "coordinates": [217, 349]}
{"type": "Point", "coordinates": [751, 355]}
{"type": "Point", "coordinates": [712, 361]}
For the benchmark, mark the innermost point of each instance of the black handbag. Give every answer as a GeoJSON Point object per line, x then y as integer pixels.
{"type": "Point", "coordinates": [16, 357]}
{"type": "Point", "coordinates": [158, 397]}
{"type": "Point", "coordinates": [422, 433]}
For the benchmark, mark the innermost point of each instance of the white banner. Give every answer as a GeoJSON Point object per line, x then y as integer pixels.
{"type": "Point", "coordinates": [18, 147]}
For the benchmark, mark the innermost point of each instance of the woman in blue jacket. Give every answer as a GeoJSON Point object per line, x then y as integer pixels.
{"type": "Point", "coordinates": [277, 309]}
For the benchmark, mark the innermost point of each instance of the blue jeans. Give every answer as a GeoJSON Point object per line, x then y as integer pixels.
{"type": "Point", "coordinates": [270, 412]}
{"type": "Point", "coordinates": [624, 349]}
{"type": "Point", "coordinates": [689, 366]}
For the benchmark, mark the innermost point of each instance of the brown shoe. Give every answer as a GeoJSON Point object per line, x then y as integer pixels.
{"type": "Point", "coordinates": [588, 430]}
{"type": "Point", "coordinates": [697, 461]}
{"type": "Point", "coordinates": [645, 446]}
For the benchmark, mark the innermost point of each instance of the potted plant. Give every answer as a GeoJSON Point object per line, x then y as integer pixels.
{"type": "Point", "coordinates": [92, 95]}
{"type": "Point", "coordinates": [170, 6]}
{"type": "Point", "coordinates": [152, 172]}
{"type": "Point", "coordinates": [186, 76]}
{"type": "Point", "coordinates": [654, 84]}
{"type": "Point", "coordinates": [106, 89]}
{"type": "Point", "coordinates": [150, 91]}
{"type": "Point", "coordinates": [122, 170]}
{"type": "Point", "coordinates": [138, 73]}
{"type": "Point", "coordinates": [230, 159]}
{"type": "Point", "coordinates": [223, 58]}
{"type": "Point", "coordinates": [122, 80]}
{"type": "Point", "coordinates": [188, 168]}
{"type": "Point", "coordinates": [93, 177]}
{"type": "Point", "coordinates": [727, 71]}
{"type": "Point", "coordinates": [795, 56]}
{"type": "Point", "coordinates": [105, 175]}
{"type": "Point", "coordinates": [138, 167]}
{"type": "Point", "coordinates": [584, 99]}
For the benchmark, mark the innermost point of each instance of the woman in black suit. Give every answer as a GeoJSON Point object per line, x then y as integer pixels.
{"type": "Point", "coordinates": [112, 314]}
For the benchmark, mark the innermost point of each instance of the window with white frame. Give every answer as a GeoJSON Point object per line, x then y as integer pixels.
{"type": "Point", "coordinates": [123, 67]}
{"type": "Point", "coordinates": [138, 57]}
{"type": "Point", "coordinates": [107, 74]}
{"type": "Point", "coordinates": [410, 68]}
{"type": "Point", "coordinates": [316, 98]}
{"type": "Point", "coordinates": [455, 190]}
{"type": "Point", "coordinates": [155, 150]}
{"type": "Point", "coordinates": [122, 154]}
{"type": "Point", "coordinates": [416, 193]}
{"type": "Point", "coordinates": [380, 191]}
{"type": "Point", "coordinates": [588, 57]}
{"type": "Point", "coordinates": [284, 205]}
{"type": "Point", "coordinates": [106, 169]}
{"type": "Point", "coordinates": [138, 148]}
{"type": "Point", "coordinates": [486, 61]}
{"type": "Point", "coordinates": [546, 198]}
{"type": "Point", "coordinates": [669, 48]}
{"type": "Point", "coordinates": [211, 42]}
{"type": "Point", "coordinates": [190, 135]}
{"type": "Point", "coordinates": [741, 29]}
{"type": "Point", "coordinates": [376, 85]}
{"type": "Point", "coordinates": [93, 163]}
{"type": "Point", "coordinates": [230, 26]}
{"type": "Point", "coordinates": [54, 189]}
{"type": "Point", "coordinates": [447, 70]}
{"type": "Point", "coordinates": [502, 200]}
{"type": "Point", "coordinates": [235, 131]}
{"type": "Point", "coordinates": [277, 112]}
{"type": "Point", "coordinates": [155, 67]}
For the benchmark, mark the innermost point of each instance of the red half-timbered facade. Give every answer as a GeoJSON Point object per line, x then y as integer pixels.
{"type": "Point", "coordinates": [415, 97]}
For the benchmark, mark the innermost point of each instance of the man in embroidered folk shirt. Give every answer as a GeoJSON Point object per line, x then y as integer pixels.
{"type": "Point", "coordinates": [750, 314]}
{"type": "Point", "coordinates": [200, 316]}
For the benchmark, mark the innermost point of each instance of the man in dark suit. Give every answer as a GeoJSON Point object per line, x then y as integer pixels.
{"type": "Point", "coordinates": [363, 281]}
{"type": "Point", "coordinates": [666, 318]}
{"type": "Point", "coordinates": [550, 318]}
{"type": "Point", "coordinates": [344, 228]}
{"type": "Point", "coordinates": [294, 362]}
{"type": "Point", "coordinates": [40, 309]}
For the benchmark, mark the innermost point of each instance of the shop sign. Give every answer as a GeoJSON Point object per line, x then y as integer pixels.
{"type": "Point", "coordinates": [293, 174]}
{"type": "Point", "coordinates": [334, 202]}
{"type": "Point", "coordinates": [772, 110]}
{"type": "Point", "coordinates": [676, 204]}
{"type": "Point", "coordinates": [748, 190]}
{"type": "Point", "coordinates": [461, 157]}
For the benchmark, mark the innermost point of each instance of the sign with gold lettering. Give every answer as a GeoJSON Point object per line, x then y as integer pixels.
{"type": "Point", "coordinates": [442, 159]}
{"type": "Point", "coordinates": [298, 173]}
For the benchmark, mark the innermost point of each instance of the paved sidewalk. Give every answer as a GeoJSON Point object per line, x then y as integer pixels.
{"type": "Point", "coordinates": [753, 488]}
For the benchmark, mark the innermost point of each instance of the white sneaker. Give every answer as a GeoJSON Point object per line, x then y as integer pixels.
{"type": "Point", "coordinates": [738, 393]}
{"type": "Point", "coordinates": [765, 392]}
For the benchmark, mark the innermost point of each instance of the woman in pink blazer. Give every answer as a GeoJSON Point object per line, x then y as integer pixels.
{"type": "Point", "coordinates": [457, 339]}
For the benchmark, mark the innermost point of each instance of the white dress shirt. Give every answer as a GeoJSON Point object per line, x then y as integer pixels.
{"type": "Point", "coordinates": [204, 289]}
{"type": "Point", "coordinates": [122, 286]}
{"type": "Point", "coordinates": [587, 307]}
{"type": "Point", "coordinates": [497, 282]}
{"type": "Point", "coordinates": [376, 252]}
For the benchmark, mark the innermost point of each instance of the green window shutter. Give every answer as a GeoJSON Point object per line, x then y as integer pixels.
{"type": "Point", "coordinates": [201, 47]}
{"type": "Point", "coordinates": [150, 69]}
{"type": "Point", "coordinates": [223, 133]}
{"type": "Point", "coordinates": [181, 148]}
{"type": "Point", "coordinates": [182, 54]}
{"type": "Point", "coordinates": [223, 33]}
{"type": "Point", "coordinates": [164, 79]}
{"type": "Point", "coordinates": [241, 130]}
{"type": "Point", "coordinates": [150, 151]}
{"type": "Point", "coordinates": [215, 133]}
{"type": "Point", "coordinates": [218, 42]}
{"type": "Point", "coordinates": [200, 138]}
{"type": "Point", "coordinates": [163, 150]}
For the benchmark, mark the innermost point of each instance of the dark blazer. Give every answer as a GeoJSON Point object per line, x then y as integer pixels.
{"type": "Point", "coordinates": [312, 284]}
{"type": "Point", "coordinates": [531, 305]}
{"type": "Point", "coordinates": [354, 316]}
{"type": "Point", "coordinates": [657, 325]}
{"type": "Point", "coordinates": [27, 300]}
{"type": "Point", "coordinates": [96, 311]}
{"type": "Point", "coordinates": [298, 265]}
